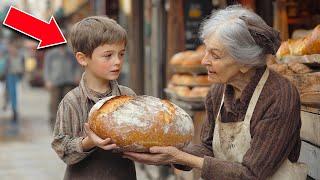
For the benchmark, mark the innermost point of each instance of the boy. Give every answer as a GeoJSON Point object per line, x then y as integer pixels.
{"type": "Point", "coordinates": [99, 46]}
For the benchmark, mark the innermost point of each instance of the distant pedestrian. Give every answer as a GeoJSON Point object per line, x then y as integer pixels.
{"type": "Point", "coordinates": [62, 73]}
{"type": "Point", "coordinates": [3, 62]}
{"type": "Point", "coordinates": [14, 72]}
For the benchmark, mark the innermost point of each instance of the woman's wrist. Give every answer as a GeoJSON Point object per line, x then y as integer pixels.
{"type": "Point", "coordinates": [190, 160]}
{"type": "Point", "coordinates": [87, 144]}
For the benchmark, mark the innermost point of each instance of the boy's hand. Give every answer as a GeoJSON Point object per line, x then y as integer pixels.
{"type": "Point", "coordinates": [93, 140]}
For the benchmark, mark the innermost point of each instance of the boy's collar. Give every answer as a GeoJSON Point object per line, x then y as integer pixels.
{"type": "Point", "coordinates": [115, 91]}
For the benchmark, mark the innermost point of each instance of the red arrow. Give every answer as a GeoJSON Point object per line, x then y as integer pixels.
{"type": "Point", "coordinates": [49, 34]}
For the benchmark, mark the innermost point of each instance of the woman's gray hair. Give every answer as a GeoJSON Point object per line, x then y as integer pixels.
{"type": "Point", "coordinates": [244, 34]}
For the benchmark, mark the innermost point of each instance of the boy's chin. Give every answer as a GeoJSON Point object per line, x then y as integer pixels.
{"type": "Point", "coordinates": [111, 78]}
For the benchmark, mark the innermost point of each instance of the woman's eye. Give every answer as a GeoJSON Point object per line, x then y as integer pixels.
{"type": "Point", "coordinates": [215, 56]}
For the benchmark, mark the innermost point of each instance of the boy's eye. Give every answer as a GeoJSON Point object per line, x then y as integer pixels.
{"type": "Point", "coordinates": [108, 55]}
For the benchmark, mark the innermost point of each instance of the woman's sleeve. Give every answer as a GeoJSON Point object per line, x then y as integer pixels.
{"type": "Point", "coordinates": [206, 136]}
{"type": "Point", "coordinates": [205, 147]}
{"type": "Point", "coordinates": [66, 143]}
{"type": "Point", "coordinates": [273, 138]}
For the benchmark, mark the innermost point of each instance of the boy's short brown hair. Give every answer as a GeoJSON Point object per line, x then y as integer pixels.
{"type": "Point", "coordinates": [94, 31]}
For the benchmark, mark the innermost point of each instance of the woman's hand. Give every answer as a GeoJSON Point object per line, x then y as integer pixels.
{"type": "Point", "coordinates": [157, 156]}
{"type": "Point", "coordinates": [164, 156]}
{"type": "Point", "coordinates": [92, 140]}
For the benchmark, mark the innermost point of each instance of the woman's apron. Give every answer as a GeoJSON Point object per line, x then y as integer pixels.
{"type": "Point", "coordinates": [232, 140]}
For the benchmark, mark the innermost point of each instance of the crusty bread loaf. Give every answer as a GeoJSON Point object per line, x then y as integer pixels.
{"type": "Point", "coordinates": [179, 90]}
{"type": "Point", "coordinates": [182, 79]}
{"type": "Point", "coordinates": [290, 68]}
{"type": "Point", "coordinates": [193, 60]}
{"type": "Point", "coordinates": [303, 46]}
{"type": "Point", "coordinates": [178, 58]}
{"type": "Point", "coordinates": [199, 92]}
{"type": "Point", "coordinates": [299, 68]}
{"type": "Point", "coordinates": [187, 59]}
{"type": "Point", "coordinates": [201, 48]}
{"type": "Point", "coordinates": [282, 69]}
{"type": "Point", "coordinates": [308, 86]}
{"type": "Point", "coordinates": [138, 123]}
{"type": "Point", "coordinates": [185, 91]}
{"type": "Point", "coordinates": [190, 80]}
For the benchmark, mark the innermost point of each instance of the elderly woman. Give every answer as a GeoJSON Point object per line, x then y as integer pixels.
{"type": "Point", "coordinates": [252, 129]}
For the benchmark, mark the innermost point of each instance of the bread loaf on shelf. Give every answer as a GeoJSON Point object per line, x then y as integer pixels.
{"type": "Point", "coordinates": [303, 46]}
{"type": "Point", "coordinates": [199, 92]}
{"type": "Point", "coordinates": [187, 59]}
{"type": "Point", "coordinates": [308, 86]}
{"type": "Point", "coordinates": [138, 123]}
{"type": "Point", "coordinates": [184, 91]}
{"type": "Point", "coordinates": [190, 80]}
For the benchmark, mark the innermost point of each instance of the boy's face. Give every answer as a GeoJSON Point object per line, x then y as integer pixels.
{"type": "Point", "coordinates": [106, 61]}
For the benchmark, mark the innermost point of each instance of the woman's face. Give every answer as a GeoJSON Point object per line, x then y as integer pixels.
{"type": "Point", "coordinates": [220, 65]}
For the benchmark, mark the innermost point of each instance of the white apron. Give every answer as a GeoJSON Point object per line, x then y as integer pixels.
{"type": "Point", "coordinates": [232, 140]}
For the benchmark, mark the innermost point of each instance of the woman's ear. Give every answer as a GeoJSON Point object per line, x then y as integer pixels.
{"type": "Point", "coordinates": [82, 59]}
{"type": "Point", "coordinates": [244, 69]}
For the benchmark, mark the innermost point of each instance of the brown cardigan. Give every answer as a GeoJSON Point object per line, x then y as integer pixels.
{"type": "Point", "coordinates": [275, 129]}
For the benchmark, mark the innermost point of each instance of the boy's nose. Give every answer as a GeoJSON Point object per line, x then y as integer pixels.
{"type": "Point", "coordinates": [117, 60]}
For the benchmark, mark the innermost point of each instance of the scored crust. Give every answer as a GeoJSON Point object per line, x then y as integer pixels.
{"type": "Point", "coordinates": [163, 128]}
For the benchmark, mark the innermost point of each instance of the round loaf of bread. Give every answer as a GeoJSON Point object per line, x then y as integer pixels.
{"type": "Point", "coordinates": [190, 80]}
{"type": "Point", "coordinates": [178, 58]}
{"type": "Point", "coordinates": [199, 92]}
{"type": "Point", "coordinates": [138, 123]}
{"type": "Point", "coordinates": [187, 59]}
{"type": "Point", "coordinates": [193, 60]}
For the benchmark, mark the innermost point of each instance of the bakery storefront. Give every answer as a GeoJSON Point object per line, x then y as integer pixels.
{"type": "Point", "coordinates": [298, 59]}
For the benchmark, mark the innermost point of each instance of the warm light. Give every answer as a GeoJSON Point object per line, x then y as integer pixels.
{"type": "Point", "coordinates": [125, 6]}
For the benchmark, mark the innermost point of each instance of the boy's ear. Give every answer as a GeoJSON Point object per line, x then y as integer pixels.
{"type": "Point", "coordinates": [81, 58]}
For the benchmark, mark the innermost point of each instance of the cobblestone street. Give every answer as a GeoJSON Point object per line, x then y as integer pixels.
{"type": "Point", "coordinates": [29, 155]}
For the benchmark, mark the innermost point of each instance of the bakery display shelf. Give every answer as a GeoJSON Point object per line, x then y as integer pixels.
{"type": "Point", "coordinates": [312, 61]}
{"type": "Point", "coordinates": [187, 105]}
{"type": "Point", "coordinates": [191, 70]}
{"type": "Point", "coordinates": [310, 109]}
{"type": "Point", "coordinates": [191, 85]}
{"type": "Point", "coordinates": [311, 99]}
{"type": "Point", "coordinates": [184, 98]}
{"type": "Point", "coordinates": [315, 105]}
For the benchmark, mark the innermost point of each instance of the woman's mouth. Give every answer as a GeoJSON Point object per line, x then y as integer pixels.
{"type": "Point", "coordinates": [211, 72]}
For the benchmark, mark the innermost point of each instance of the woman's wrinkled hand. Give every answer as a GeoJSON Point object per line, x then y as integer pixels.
{"type": "Point", "coordinates": [92, 140]}
{"type": "Point", "coordinates": [157, 156]}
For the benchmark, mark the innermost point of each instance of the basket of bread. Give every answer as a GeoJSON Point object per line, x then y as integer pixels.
{"type": "Point", "coordinates": [299, 61]}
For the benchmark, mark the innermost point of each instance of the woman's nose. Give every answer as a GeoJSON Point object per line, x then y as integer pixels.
{"type": "Point", "coordinates": [205, 61]}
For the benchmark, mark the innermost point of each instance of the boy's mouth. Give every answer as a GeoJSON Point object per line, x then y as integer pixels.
{"type": "Point", "coordinates": [115, 71]}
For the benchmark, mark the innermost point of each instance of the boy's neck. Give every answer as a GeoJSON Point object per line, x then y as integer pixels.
{"type": "Point", "coordinates": [97, 84]}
